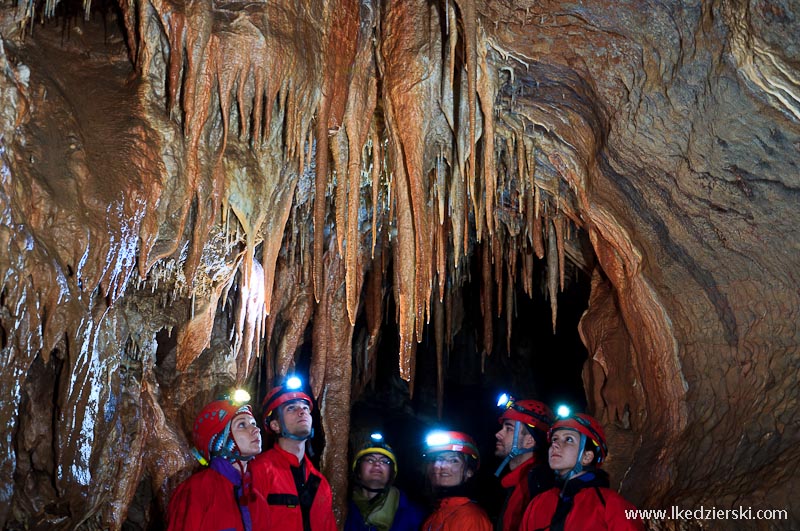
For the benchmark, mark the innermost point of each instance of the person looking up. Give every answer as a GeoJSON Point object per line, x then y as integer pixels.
{"type": "Point", "coordinates": [452, 459]}
{"type": "Point", "coordinates": [375, 503]}
{"type": "Point", "coordinates": [226, 438]}
{"type": "Point", "coordinates": [522, 444]}
{"type": "Point", "coordinates": [298, 496]}
{"type": "Point", "coordinates": [581, 499]}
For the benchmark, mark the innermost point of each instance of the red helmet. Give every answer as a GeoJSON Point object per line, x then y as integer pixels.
{"type": "Point", "coordinates": [281, 394]}
{"type": "Point", "coordinates": [585, 425]}
{"type": "Point", "coordinates": [452, 441]}
{"type": "Point", "coordinates": [531, 412]}
{"type": "Point", "coordinates": [212, 429]}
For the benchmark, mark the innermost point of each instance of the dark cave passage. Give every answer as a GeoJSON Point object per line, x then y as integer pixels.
{"type": "Point", "coordinates": [541, 365]}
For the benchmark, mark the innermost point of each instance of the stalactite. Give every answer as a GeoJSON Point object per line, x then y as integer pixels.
{"type": "Point", "coordinates": [558, 223]}
{"type": "Point", "coordinates": [469, 20]}
{"type": "Point", "coordinates": [511, 275]}
{"type": "Point", "coordinates": [438, 325]}
{"type": "Point", "coordinates": [374, 308]}
{"type": "Point", "coordinates": [486, 298]}
{"type": "Point", "coordinates": [487, 90]}
{"type": "Point", "coordinates": [497, 243]}
{"type": "Point", "coordinates": [357, 119]}
{"type": "Point", "coordinates": [538, 244]}
{"type": "Point", "coordinates": [527, 270]}
{"type": "Point", "coordinates": [272, 246]}
{"type": "Point", "coordinates": [552, 272]}
{"type": "Point", "coordinates": [339, 155]}
{"type": "Point", "coordinates": [298, 315]}
{"type": "Point", "coordinates": [252, 310]}
{"type": "Point", "coordinates": [320, 188]}
{"type": "Point", "coordinates": [522, 177]}
{"type": "Point", "coordinates": [407, 85]}
{"type": "Point", "coordinates": [376, 182]}
{"type": "Point", "coordinates": [441, 258]}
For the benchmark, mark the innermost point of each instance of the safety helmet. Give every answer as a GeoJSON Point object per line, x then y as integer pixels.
{"type": "Point", "coordinates": [374, 444]}
{"type": "Point", "coordinates": [452, 441]}
{"type": "Point", "coordinates": [531, 412]}
{"type": "Point", "coordinates": [586, 426]}
{"type": "Point", "coordinates": [292, 389]}
{"type": "Point", "coordinates": [211, 431]}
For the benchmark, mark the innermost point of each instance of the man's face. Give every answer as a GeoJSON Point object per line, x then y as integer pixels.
{"type": "Point", "coordinates": [374, 470]}
{"type": "Point", "coordinates": [505, 439]}
{"type": "Point", "coordinates": [296, 418]}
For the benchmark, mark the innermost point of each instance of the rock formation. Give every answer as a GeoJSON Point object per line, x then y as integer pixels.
{"type": "Point", "coordinates": [190, 191]}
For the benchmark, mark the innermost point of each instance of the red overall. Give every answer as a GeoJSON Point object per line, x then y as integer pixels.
{"type": "Point", "coordinates": [520, 496]}
{"type": "Point", "coordinates": [311, 510]}
{"type": "Point", "coordinates": [458, 513]}
{"type": "Point", "coordinates": [209, 501]}
{"type": "Point", "coordinates": [590, 511]}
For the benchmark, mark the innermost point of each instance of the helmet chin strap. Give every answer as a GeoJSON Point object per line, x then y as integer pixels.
{"type": "Point", "coordinates": [515, 449]}
{"type": "Point", "coordinates": [578, 468]}
{"type": "Point", "coordinates": [285, 432]}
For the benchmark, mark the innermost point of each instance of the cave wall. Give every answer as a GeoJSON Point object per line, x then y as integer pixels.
{"type": "Point", "coordinates": [236, 180]}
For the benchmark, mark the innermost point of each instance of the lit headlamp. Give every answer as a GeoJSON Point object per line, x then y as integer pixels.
{"type": "Point", "coordinates": [240, 396]}
{"type": "Point", "coordinates": [437, 438]}
{"type": "Point", "coordinates": [505, 401]}
{"type": "Point", "coordinates": [563, 411]}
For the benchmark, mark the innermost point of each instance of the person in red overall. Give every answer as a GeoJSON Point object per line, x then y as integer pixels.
{"type": "Point", "coordinates": [226, 438]}
{"type": "Point", "coordinates": [452, 459]}
{"type": "Point", "coordinates": [581, 499]}
{"type": "Point", "coordinates": [298, 496]}
{"type": "Point", "coordinates": [522, 443]}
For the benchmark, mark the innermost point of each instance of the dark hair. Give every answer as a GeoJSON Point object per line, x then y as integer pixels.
{"type": "Point", "coordinates": [540, 437]}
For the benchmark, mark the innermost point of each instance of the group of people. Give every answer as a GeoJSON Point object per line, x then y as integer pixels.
{"type": "Point", "coordinates": [554, 480]}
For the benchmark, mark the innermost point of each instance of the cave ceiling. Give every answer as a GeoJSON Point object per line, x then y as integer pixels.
{"type": "Point", "coordinates": [191, 191]}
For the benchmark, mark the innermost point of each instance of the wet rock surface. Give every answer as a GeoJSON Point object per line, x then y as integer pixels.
{"type": "Point", "coordinates": [192, 194]}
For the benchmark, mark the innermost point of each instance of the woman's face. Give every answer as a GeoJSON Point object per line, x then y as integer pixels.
{"type": "Point", "coordinates": [245, 432]}
{"type": "Point", "coordinates": [563, 452]}
{"type": "Point", "coordinates": [448, 469]}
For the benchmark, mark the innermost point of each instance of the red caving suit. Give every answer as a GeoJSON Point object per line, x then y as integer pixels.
{"type": "Point", "coordinates": [458, 513]}
{"type": "Point", "coordinates": [274, 473]}
{"type": "Point", "coordinates": [210, 501]}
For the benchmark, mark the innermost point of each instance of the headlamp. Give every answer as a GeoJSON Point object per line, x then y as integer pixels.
{"type": "Point", "coordinates": [505, 401]}
{"type": "Point", "coordinates": [294, 383]}
{"type": "Point", "coordinates": [437, 438]}
{"type": "Point", "coordinates": [240, 396]}
{"type": "Point", "coordinates": [376, 437]}
{"type": "Point", "coordinates": [563, 411]}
